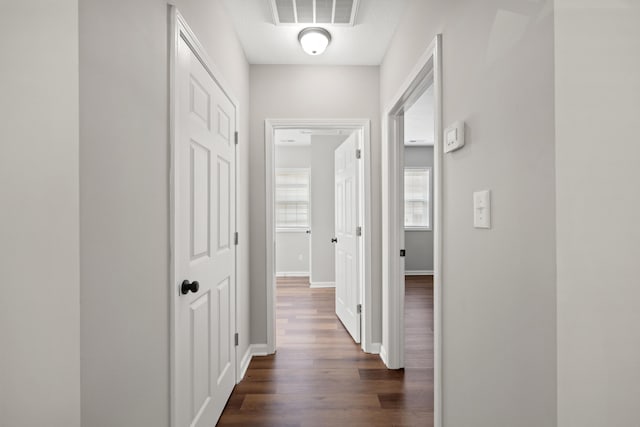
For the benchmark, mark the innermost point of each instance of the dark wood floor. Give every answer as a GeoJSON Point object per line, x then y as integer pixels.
{"type": "Point", "coordinates": [320, 377]}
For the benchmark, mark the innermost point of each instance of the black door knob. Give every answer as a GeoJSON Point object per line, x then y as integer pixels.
{"type": "Point", "coordinates": [334, 240]}
{"type": "Point", "coordinates": [186, 287]}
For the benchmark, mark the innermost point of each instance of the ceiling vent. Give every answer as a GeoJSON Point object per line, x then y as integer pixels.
{"type": "Point", "coordinates": [336, 12]}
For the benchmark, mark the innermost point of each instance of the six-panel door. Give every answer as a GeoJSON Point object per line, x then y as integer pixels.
{"type": "Point", "coordinates": [205, 211]}
{"type": "Point", "coordinates": [346, 223]}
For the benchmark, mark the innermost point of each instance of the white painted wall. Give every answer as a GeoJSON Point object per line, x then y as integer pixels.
{"type": "Point", "coordinates": [39, 243]}
{"type": "Point", "coordinates": [292, 253]}
{"type": "Point", "coordinates": [419, 243]}
{"type": "Point", "coordinates": [499, 293]}
{"type": "Point", "coordinates": [292, 247]}
{"type": "Point", "coordinates": [323, 259]}
{"type": "Point", "coordinates": [317, 92]}
{"type": "Point", "coordinates": [597, 108]}
{"type": "Point", "coordinates": [124, 200]}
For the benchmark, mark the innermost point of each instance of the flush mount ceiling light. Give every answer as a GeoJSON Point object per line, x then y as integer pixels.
{"type": "Point", "coordinates": [314, 40]}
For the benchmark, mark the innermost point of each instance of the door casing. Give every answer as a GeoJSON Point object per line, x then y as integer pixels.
{"type": "Point", "coordinates": [179, 29]}
{"type": "Point", "coordinates": [363, 126]}
{"type": "Point", "coordinates": [428, 70]}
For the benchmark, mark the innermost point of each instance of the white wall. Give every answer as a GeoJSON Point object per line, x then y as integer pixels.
{"type": "Point", "coordinates": [499, 299]}
{"type": "Point", "coordinates": [292, 247]}
{"type": "Point", "coordinates": [597, 108]}
{"type": "Point", "coordinates": [419, 243]}
{"type": "Point", "coordinates": [292, 253]}
{"type": "Point", "coordinates": [318, 92]}
{"type": "Point", "coordinates": [323, 258]}
{"type": "Point", "coordinates": [124, 200]}
{"type": "Point", "coordinates": [39, 244]}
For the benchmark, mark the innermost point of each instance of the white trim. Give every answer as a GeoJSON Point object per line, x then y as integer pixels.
{"type": "Point", "coordinates": [260, 350]}
{"type": "Point", "coordinates": [418, 272]}
{"type": "Point", "coordinates": [360, 125]}
{"type": "Point", "coordinates": [292, 274]}
{"type": "Point", "coordinates": [307, 226]}
{"type": "Point", "coordinates": [322, 284]}
{"type": "Point", "coordinates": [179, 29]}
{"type": "Point", "coordinates": [252, 350]}
{"type": "Point", "coordinates": [427, 69]}
{"type": "Point", "coordinates": [374, 348]}
{"type": "Point", "coordinates": [383, 355]}
{"type": "Point", "coordinates": [244, 364]}
{"type": "Point", "coordinates": [438, 216]}
{"type": "Point", "coordinates": [302, 230]}
{"type": "Point", "coordinates": [429, 227]}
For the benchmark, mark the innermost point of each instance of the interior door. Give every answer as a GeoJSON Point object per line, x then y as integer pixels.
{"type": "Point", "coordinates": [204, 249]}
{"type": "Point", "coordinates": [346, 238]}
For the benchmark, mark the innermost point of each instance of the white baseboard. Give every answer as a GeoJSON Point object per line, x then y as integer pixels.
{"type": "Point", "coordinates": [260, 350]}
{"type": "Point", "coordinates": [253, 350]}
{"type": "Point", "coordinates": [323, 284]}
{"type": "Point", "coordinates": [244, 363]}
{"type": "Point", "coordinates": [372, 348]}
{"type": "Point", "coordinates": [418, 273]}
{"type": "Point", "coordinates": [383, 355]}
{"type": "Point", "coordinates": [293, 274]}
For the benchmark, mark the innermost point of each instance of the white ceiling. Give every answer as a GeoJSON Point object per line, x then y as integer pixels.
{"type": "Point", "coordinates": [419, 121]}
{"type": "Point", "coordinates": [363, 44]}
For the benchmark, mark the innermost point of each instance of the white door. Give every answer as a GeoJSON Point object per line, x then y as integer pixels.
{"type": "Point", "coordinates": [204, 249]}
{"type": "Point", "coordinates": [346, 238]}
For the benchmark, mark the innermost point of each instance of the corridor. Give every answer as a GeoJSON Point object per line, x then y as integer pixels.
{"type": "Point", "coordinates": [320, 377]}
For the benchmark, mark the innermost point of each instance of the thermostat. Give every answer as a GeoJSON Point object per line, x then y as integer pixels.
{"type": "Point", "coordinates": [454, 137]}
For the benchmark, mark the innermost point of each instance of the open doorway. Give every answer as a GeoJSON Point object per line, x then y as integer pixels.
{"type": "Point", "coordinates": [313, 299]}
{"type": "Point", "coordinates": [318, 217]}
{"type": "Point", "coordinates": [418, 162]}
{"type": "Point", "coordinates": [304, 204]}
{"type": "Point", "coordinates": [412, 224]}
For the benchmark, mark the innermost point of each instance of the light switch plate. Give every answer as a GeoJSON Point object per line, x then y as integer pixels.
{"type": "Point", "coordinates": [482, 209]}
{"type": "Point", "coordinates": [454, 137]}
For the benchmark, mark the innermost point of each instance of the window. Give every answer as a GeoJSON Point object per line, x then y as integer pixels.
{"type": "Point", "coordinates": [292, 198]}
{"type": "Point", "coordinates": [417, 198]}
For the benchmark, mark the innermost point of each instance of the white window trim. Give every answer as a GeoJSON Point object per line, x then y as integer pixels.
{"type": "Point", "coordinates": [292, 229]}
{"type": "Point", "coordinates": [295, 228]}
{"type": "Point", "coordinates": [429, 227]}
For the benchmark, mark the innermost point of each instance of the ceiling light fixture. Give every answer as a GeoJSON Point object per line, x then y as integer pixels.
{"type": "Point", "coordinates": [314, 40]}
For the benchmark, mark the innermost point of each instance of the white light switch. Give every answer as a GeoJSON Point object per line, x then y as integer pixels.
{"type": "Point", "coordinates": [482, 209]}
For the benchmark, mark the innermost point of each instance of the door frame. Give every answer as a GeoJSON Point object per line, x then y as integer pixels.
{"type": "Point", "coordinates": [428, 69]}
{"type": "Point", "coordinates": [179, 29]}
{"type": "Point", "coordinates": [364, 127]}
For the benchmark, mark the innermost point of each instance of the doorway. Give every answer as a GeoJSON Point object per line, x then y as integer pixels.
{"type": "Point", "coordinates": [413, 196]}
{"type": "Point", "coordinates": [418, 132]}
{"type": "Point", "coordinates": [303, 241]}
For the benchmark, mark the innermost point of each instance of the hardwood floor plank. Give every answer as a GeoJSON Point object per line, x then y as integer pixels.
{"type": "Point", "coordinates": [297, 403]}
{"type": "Point", "coordinates": [320, 377]}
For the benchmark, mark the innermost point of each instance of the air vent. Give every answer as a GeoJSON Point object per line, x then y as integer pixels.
{"type": "Point", "coordinates": [336, 12]}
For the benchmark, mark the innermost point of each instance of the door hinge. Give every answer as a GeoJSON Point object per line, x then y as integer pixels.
{"type": "Point", "coordinates": [358, 231]}
{"type": "Point", "coordinates": [403, 252]}
{"type": "Point", "coordinates": [236, 137]}
{"type": "Point", "coordinates": [358, 153]}
{"type": "Point", "coordinates": [359, 308]}
{"type": "Point", "coordinates": [235, 238]}
{"type": "Point", "coordinates": [237, 339]}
